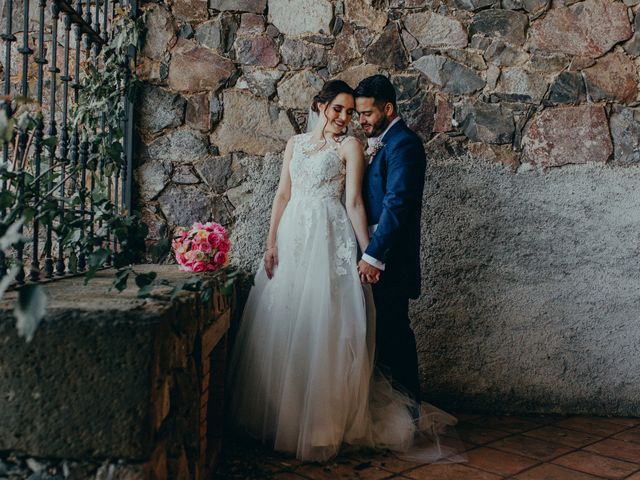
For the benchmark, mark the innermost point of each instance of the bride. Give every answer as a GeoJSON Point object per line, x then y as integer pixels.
{"type": "Point", "coordinates": [301, 372]}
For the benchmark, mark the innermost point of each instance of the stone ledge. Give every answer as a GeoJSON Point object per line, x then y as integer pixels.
{"type": "Point", "coordinates": [109, 375]}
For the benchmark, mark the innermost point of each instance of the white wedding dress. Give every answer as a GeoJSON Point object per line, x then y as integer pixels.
{"type": "Point", "coordinates": [301, 371]}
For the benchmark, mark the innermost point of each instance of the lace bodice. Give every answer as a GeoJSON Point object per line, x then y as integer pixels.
{"type": "Point", "coordinates": [317, 171]}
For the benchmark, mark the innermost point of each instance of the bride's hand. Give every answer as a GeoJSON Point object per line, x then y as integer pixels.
{"type": "Point", "coordinates": [270, 261]}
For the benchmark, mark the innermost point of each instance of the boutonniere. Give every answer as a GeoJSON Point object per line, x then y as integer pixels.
{"type": "Point", "coordinates": [374, 147]}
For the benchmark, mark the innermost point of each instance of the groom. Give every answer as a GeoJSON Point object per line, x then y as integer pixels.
{"type": "Point", "coordinates": [392, 192]}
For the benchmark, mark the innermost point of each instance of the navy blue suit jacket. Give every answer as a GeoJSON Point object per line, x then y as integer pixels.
{"type": "Point", "coordinates": [392, 191]}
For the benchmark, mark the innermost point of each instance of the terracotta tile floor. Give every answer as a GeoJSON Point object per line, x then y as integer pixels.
{"type": "Point", "coordinates": [496, 447]}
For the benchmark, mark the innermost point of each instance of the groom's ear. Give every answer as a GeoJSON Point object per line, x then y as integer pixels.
{"type": "Point", "coordinates": [389, 109]}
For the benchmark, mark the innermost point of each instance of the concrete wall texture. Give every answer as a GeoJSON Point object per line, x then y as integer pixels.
{"type": "Point", "coordinates": [529, 110]}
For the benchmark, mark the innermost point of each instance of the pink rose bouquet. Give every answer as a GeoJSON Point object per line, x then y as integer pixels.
{"type": "Point", "coordinates": [203, 248]}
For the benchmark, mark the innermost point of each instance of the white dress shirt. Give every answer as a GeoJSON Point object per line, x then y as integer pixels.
{"type": "Point", "coordinates": [372, 228]}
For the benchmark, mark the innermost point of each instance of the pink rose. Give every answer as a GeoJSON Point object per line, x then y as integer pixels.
{"type": "Point", "coordinates": [180, 258]}
{"type": "Point", "coordinates": [220, 258]}
{"type": "Point", "coordinates": [214, 239]}
{"type": "Point", "coordinates": [199, 267]}
{"type": "Point", "coordinates": [225, 246]}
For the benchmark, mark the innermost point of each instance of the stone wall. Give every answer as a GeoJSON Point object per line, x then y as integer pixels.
{"type": "Point", "coordinates": [529, 111]}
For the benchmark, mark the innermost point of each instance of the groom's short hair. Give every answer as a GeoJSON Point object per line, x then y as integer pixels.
{"type": "Point", "coordinates": [379, 88]}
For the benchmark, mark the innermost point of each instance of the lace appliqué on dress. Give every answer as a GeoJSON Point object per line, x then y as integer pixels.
{"type": "Point", "coordinates": [318, 174]}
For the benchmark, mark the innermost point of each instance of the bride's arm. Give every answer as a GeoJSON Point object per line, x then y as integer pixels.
{"type": "Point", "coordinates": [280, 200]}
{"type": "Point", "coordinates": [354, 156]}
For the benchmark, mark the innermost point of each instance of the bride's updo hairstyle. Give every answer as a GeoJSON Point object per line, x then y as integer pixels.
{"type": "Point", "coordinates": [330, 90]}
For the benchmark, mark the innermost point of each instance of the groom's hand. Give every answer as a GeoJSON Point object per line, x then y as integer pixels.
{"type": "Point", "coordinates": [368, 273]}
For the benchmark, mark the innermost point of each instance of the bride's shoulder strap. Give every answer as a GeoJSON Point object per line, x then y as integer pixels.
{"type": "Point", "coordinates": [295, 139]}
{"type": "Point", "coordinates": [348, 139]}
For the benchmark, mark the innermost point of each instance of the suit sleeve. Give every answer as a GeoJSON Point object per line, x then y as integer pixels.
{"type": "Point", "coordinates": [405, 180]}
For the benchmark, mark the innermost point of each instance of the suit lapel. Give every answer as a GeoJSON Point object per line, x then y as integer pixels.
{"type": "Point", "coordinates": [376, 156]}
{"type": "Point", "coordinates": [386, 138]}
{"type": "Point", "coordinates": [396, 128]}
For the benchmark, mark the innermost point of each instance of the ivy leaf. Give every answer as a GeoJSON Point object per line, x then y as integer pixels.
{"type": "Point", "coordinates": [227, 287]}
{"type": "Point", "coordinates": [99, 257]}
{"type": "Point", "coordinates": [7, 279]}
{"type": "Point", "coordinates": [30, 309]}
{"type": "Point", "coordinates": [12, 235]}
{"type": "Point", "coordinates": [145, 291]}
{"type": "Point", "coordinates": [50, 142]}
{"type": "Point", "coordinates": [145, 279]}
{"type": "Point", "coordinates": [73, 237]}
{"type": "Point", "coordinates": [29, 213]}
{"type": "Point", "coordinates": [5, 128]}
{"type": "Point", "coordinates": [72, 265]}
{"type": "Point", "coordinates": [176, 290]}
{"type": "Point", "coordinates": [96, 260]}
{"type": "Point", "coordinates": [121, 260]}
{"type": "Point", "coordinates": [120, 283]}
{"type": "Point", "coordinates": [98, 195]}
{"type": "Point", "coordinates": [206, 293]}
{"type": "Point", "coordinates": [160, 249]}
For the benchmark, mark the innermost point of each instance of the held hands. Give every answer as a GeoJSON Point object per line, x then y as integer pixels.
{"type": "Point", "coordinates": [368, 273]}
{"type": "Point", "coordinates": [270, 261]}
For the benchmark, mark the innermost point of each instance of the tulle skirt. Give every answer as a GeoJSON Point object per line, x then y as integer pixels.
{"type": "Point", "coordinates": [301, 370]}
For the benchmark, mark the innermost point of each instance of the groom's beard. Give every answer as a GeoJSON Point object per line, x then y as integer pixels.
{"type": "Point", "coordinates": [379, 127]}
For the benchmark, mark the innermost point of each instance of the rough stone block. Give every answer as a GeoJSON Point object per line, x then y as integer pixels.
{"type": "Point", "coordinates": [183, 205]}
{"type": "Point", "coordinates": [520, 85]}
{"type": "Point", "coordinates": [451, 76]}
{"type": "Point", "coordinates": [197, 112]}
{"type": "Point", "coordinates": [190, 10]}
{"type": "Point", "coordinates": [151, 178]}
{"type": "Point", "coordinates": [625, 130]}
{"type": "Point", "coordinates": [260, 82]}
{"type": "Point", "coordinates": [589, 28]}
{"type": "Point", "coordinates": [179, 146]}
{"type": "Point", "coordinates": [218, 34]}
{"type": "Point", "coordinates": [550, 139]}
{"type": "Point", "coordinates": [508, 25]}
{"type": "Point", "coordinates": [101, 378]}
{"type": "Point", "coordinates": [418, 112]}
{"type": "Point", "coordinates": [251, 124]}
{"type": "Point", "coordinates": [161, 32]}
{"type": "Point", "coordinates": [296, 17]}
{"type": "Point", "coordinates": [364, 14]}
{"type": "Point", "coordinates": [255, 6]}
{"type": "Point", "coordinates": [614, 77]}
{"type": "Point", "coordinates": [486, 122]}
{"type": "Point", "coordinates": [159, 109]}
{"type": "Point", "coordinates": [298, 91]}
{"type": "Point", "coordinates": [298, 53]}
{"type": "Point", "coordinates": [568, 87]}
{"type": "Point", "coordinates": [195, 68]}
{"type": "Point", "coordinates": [257, 50]}
{"type": "Point", "coordinates": [61, 399]}
{"type": "Point", "coordinates": [437, 31]}
{"type": "Point", "coordinates": [388, 51]}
